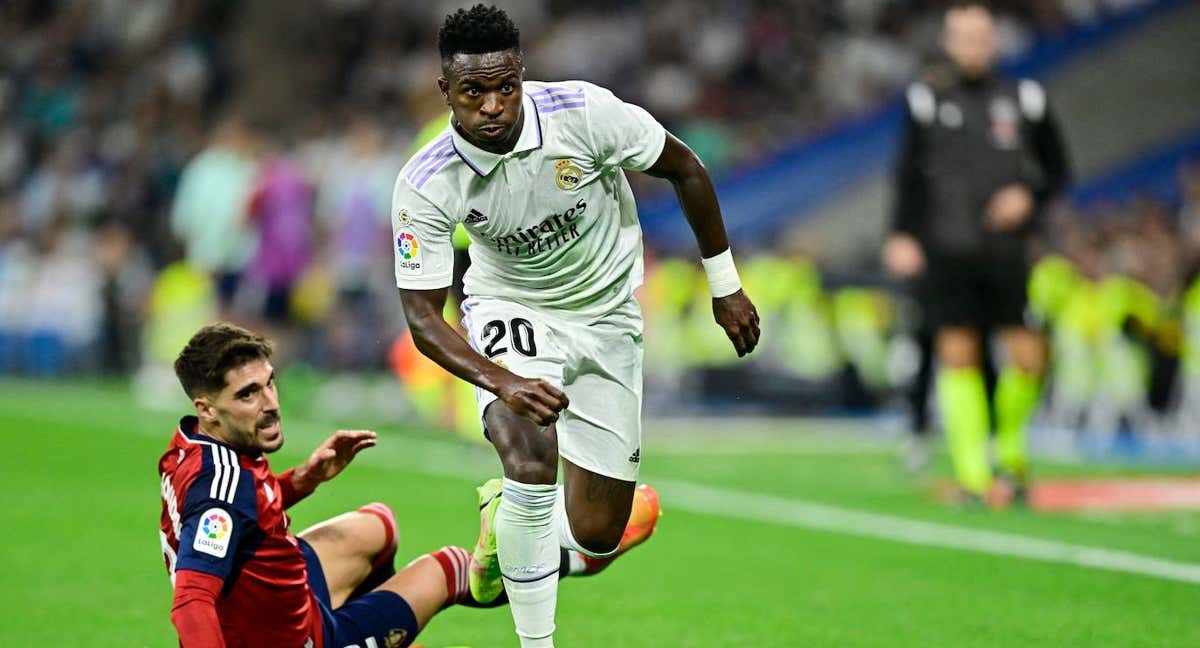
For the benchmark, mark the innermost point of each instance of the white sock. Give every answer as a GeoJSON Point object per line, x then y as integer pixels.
{"type": "Point", "coordinates": [529, 559]}
{"type": "Point", "coordinates": [575, 563]}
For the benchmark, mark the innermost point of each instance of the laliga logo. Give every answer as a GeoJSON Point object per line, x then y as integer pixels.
{"type": "Point", "coordinates": [214, 533]}
{"type": "Point", "coordinates": [407, 245]}
{"type": "Point", "coordinates": [215, 526]}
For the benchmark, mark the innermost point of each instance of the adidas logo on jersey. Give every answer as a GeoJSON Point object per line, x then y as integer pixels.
{"type": "Point", "coordinates": [636, 457]}
{"type": "Point", "coordinates": [475, 217]}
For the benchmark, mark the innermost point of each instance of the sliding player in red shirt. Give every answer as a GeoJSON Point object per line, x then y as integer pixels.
{"type": "Point", "coordinates": [241, 577]}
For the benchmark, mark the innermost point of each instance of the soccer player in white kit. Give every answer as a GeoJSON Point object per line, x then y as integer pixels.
{"type": "Point", "coordinates": [535, 172]}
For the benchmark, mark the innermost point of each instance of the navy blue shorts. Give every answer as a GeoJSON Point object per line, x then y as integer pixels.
{"type": "Point", "coordinates": [378, 619]}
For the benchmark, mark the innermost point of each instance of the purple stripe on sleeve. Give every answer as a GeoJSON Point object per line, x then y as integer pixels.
{"type": "Point", "coordinates": [433, 149]}
{"type": "Point", "coordinates": [429, 158]}
{"type": "Point", "coordinates": [557, 98]}
{"type": "Point", "coordinates": [546, 101]}
{"type": "Point", "coordinates": [561, 92]}
{"type": "Point", "coordinates": [436, 165]}
{"type": "Point", "coordinates": [562, 106]}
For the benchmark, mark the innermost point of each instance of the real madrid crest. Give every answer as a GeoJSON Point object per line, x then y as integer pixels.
{"type": "Point", "coordinates": [567, 176]}
{"type": "Point", "coordinates": [403, 217]}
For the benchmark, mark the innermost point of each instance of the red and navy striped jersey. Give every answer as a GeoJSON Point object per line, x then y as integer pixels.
{"type": "Point", "coordinates": [223, 515]}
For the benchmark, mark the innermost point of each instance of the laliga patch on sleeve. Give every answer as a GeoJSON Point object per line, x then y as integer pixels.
{"type": "Point", "coordinates": [408, 253]}
{"type": "Point", "coordinates": [214, 532]}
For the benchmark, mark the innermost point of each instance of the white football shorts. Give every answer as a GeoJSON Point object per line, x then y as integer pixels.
{"type": "Point", "coordinates": [598, 365]}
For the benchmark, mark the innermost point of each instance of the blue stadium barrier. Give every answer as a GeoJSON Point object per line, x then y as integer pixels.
{"type": "Point", "coordinates": [1154, 174]}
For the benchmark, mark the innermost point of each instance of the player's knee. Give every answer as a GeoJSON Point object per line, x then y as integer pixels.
{"type": "Point", "coordinates": [598, 536]}
{"type": "Point", "coordinates": [1032, 365]}
{"type": "Point", "coordinates": [382, 511]}
{"type": "Point", "coordinates": [957, 349]}
{"type": "Point", "coordinates": [1027, 354]}
{"type": "Point", "coordinates": [531, 471]}
{"type": "Point", "coordinates": [381, 515]}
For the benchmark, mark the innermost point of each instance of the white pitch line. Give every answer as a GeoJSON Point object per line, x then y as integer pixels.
{"type": "Point", "coordinates": [696, 498]}
{"type": "Point", "coordinates": [813, 449]}
{"type": "Point", "coordinates": [447, 459]}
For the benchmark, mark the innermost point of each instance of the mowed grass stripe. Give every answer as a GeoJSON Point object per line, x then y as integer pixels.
{"type": "Point", "coordinates": [81, 553]}
{"type": "Point", "coordinates": [446, 458]}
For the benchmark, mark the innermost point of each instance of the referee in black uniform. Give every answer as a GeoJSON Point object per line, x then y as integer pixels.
{"type": "Point", "coordinates": [980, 156]}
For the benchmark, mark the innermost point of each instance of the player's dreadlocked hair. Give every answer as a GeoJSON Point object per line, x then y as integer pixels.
{"type": "Point", "coordinates": [212, 351]}
{"type": "Point", "coordinates": [477, 30]}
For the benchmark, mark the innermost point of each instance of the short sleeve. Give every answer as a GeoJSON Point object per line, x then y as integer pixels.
{"type": "Point", "coordinates": [624, 135]}
{"type": "Point", "coordinates": [421, 241]}
{"type": "Point", "coordinates": [218, 520]}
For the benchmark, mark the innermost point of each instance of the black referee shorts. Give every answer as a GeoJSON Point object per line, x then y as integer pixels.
{"type": "Point", "coordinates": [984, 291]}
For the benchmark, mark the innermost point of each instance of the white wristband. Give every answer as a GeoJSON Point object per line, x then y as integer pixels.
{"type": "Point", "coordinates": [722, 274]}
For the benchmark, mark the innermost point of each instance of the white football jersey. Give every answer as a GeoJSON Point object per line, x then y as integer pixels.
{"type": "Point", "coordinates": [553, 223]}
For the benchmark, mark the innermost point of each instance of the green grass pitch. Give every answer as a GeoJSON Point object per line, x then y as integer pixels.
{"type": "Point", "coordinates": [80, 561]}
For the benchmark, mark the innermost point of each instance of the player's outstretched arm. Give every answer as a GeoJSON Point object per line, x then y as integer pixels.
{"type": "Point", "coordinates": [535, 399]}
{"type": "Point", "coordinates": [732, 309]}
{"type": "Point", "coordinates": [326, 462]}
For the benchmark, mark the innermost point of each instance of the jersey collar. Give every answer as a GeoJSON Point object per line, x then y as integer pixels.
{"type": "Point", "coordinates": [484, 162]}
{"type": "Point", "coordinates": [189, 427]}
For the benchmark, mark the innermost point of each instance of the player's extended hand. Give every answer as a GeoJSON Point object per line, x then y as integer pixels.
{"type": "Point", "coordinates": [533, 398]}
{"type": "Point", "coordinates": [1009, 208]}
{"type": "Point", "coordinates": [331, 457]}
{"type": "Point", "coordinates": [737, 315]}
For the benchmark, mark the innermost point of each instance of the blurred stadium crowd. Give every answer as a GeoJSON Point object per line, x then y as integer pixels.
{"type": "Point", "coordinates": [165, 162]}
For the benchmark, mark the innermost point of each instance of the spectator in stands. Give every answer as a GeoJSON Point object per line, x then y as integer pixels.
{"type": "Point", "coordinates": [355, 196]}
{"type": "Point", "coordinates": [281, 213]}
{"type": "Point", "coordinates": [125, 276]}
{"type": "Point", "coordinates": [102, 104]}
{"type": "Point", "coordinates": [210, 210]}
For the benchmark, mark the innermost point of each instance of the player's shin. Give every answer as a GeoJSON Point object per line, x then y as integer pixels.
{"type": "Point", "coordinates": [962, 399]}
{"type": "Point", "coordinates": [529, 558]}
{"type": "Point", "coordinates": [1017, 395]}
{"type": "Point", "coordinates": [383, 565]}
